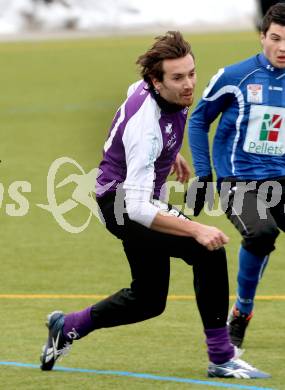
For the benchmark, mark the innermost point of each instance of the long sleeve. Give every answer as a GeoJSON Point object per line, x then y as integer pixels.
{"type": "Point", "coordinates": [207, 110]}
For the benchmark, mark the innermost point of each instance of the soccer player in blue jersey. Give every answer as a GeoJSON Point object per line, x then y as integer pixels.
{"type": "Point", "coordinates": [248, 156]}
{"type": "Point", "coordinates": [142, 147]}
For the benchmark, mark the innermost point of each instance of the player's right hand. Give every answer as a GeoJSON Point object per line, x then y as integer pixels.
{"type": "Point", "coordinates": [210, 237]}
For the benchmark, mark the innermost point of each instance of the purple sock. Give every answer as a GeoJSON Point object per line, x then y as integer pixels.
{"type": "Point", "coordinates": [78, 324]}
{"type": "Point", "coordinates": [220, 349]}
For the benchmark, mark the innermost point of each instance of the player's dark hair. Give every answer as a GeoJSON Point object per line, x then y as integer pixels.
{"type": "Point", "coordinates": [169, 46]}
{"type": "Point", "coordinates": [275, 14]}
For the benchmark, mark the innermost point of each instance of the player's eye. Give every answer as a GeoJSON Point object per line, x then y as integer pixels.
{"type": "Point", "coordinates": [275, 38]}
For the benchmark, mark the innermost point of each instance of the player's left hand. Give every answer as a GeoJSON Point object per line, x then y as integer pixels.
{"type": "Point", "coordinates": [203, 189]}
{"type": "Point", "coordinates": [181, 168]}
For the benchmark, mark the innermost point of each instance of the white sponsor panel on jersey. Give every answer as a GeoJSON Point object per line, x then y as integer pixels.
{"type": "Point", "coordinates": [266, 131]}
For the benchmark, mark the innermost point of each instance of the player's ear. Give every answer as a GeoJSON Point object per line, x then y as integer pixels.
{"type": "Point", "coordinates": [262, 38]}
{"type": "Point", "coordinates": [156, 83]}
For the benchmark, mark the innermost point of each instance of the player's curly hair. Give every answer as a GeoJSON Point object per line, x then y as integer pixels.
{"type": "Point", "coordinates": [275, 14]}
{"type": "Point", "coordinates": [169, 46]}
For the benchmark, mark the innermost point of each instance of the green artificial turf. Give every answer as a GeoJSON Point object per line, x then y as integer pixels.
{"type": "Point", "coordinates": [58, 99]}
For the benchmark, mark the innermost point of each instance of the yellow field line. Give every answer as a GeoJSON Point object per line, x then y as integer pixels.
{"type": "Point", "coordinates": [97, 296]}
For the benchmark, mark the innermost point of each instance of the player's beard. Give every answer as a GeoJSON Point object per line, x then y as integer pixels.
{"type": "Point", "coordinates": [186, 101]}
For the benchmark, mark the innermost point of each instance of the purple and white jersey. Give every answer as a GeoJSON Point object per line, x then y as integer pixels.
{"type": "Point", "coordinates": [142, 145]}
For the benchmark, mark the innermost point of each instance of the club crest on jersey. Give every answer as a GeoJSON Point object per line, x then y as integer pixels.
{"type": "Point", "coordinates": [168, 128]}
{"type": "Point", "coordinates": [254, 93]}
{"type": "Point", "coordinates": [270, 127]}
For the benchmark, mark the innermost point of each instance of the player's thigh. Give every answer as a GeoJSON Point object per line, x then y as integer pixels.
{"type": "Point", "coordinates": [254, 221]}
{"type": "Point", "coordinates": [161, 245]}
{"type": "Point", "coordinates": [278, 213]}
{"type": "Point", "coordinates": [149, 263]}
{"type": "Point", "coordinates": [249, 214]}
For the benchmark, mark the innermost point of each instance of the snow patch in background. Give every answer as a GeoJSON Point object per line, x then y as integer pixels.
{"type": "Point", "coordinates": [119, 15]}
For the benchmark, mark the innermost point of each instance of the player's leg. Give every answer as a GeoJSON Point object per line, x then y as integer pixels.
{"type": "Point", "coordinates": [278, 212]}
{"type": "Point", "coordinates": [149, 264]}
{"type": "Point", "coordinates": [259, 235]}
{"type": "Point", "coordinates": [210, 284]}
{"type": "Point", "coordinates": [145, 298]}
{"type": "Point", "coordinates": [212, 295]}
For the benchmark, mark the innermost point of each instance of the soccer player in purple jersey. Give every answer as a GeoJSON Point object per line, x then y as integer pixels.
{"type": "Point", "coordinates": [142, 147]}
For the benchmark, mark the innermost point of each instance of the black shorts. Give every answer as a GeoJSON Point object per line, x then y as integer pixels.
{"type": "Point", "coordinates": [251, 214]}
{"type": "Point", "coordinates": [125, 229]}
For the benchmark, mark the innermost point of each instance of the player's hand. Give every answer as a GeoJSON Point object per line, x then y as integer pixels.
{"type": "Point", "coordinates": [181, 168]}
{"type": "Point", "coordinates": [200, 191]}
{"type": "Point", "coordinates": [210, 237]}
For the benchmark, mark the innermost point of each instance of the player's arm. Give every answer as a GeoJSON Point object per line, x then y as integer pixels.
{"type": "Point", "coordinates": [141, 210]}
{"type": "Point", "coordinates": [207, 110]}
{"type": "Point", "coordinates": [141, 154]}
{"type": "Point", "coordinates": [181, 169]}
{"type": "Point", "coordinates": [214, 101]}
{"type": "Point", "coordinates": [209, 236]}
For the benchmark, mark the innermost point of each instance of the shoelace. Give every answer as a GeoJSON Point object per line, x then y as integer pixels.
{"type": "Point", "coordinates": [60, 353]}
{"type": "Point", "coordinates": [244, 364]}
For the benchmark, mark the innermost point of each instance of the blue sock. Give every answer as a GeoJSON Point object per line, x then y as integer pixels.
{"type": "Point", "coordinates": [251, 268]}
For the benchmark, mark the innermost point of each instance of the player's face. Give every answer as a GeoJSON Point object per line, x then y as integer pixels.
{"type": "Point", "coordinates": [179, 81]}
{"type": "Point", "coordinates": [273, 43]}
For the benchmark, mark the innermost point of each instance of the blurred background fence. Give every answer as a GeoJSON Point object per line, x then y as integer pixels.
{"type": "Point", "coordinates": [113, 16]}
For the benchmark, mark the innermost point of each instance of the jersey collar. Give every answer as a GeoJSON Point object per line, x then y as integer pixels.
{"type": "Point", "coordinates": [268, 66]}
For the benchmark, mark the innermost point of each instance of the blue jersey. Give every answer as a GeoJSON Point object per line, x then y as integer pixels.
{"type": "Point", "coordinates": [249, 143]}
